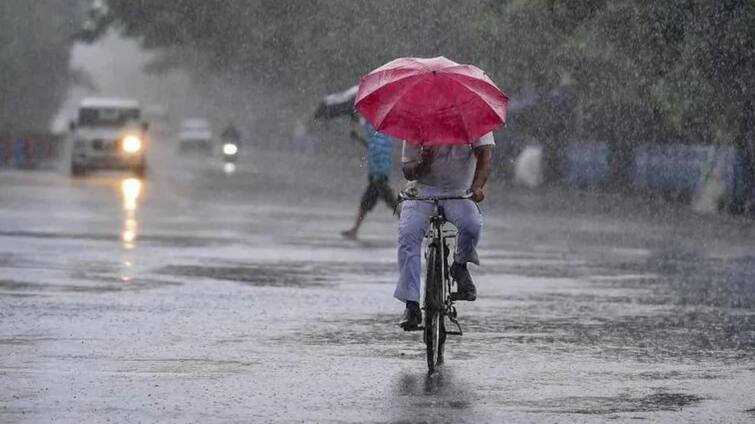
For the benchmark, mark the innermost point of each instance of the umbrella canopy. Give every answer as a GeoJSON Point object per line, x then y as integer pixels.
{"type": "Point", "coordinates": [337, 104]}
{"type": "Point", "coordinates": [431, 101]}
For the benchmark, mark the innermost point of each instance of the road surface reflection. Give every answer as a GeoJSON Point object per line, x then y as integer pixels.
{"type": "Point", "coordinates": [131, 188]}
{"type": "Point", "coordinates": [229, 168]}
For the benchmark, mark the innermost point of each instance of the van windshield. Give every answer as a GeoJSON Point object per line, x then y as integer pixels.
{"type": "Point", "coordinates": [92, 117]}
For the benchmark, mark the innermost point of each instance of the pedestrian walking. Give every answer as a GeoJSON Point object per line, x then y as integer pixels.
{"type": "Point", "coordinates": [379, 168]}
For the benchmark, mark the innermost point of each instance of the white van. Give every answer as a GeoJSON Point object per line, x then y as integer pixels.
{"type": "Point", "coordinates": [108, 135]}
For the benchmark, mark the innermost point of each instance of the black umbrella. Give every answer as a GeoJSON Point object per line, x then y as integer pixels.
{"type": "Point", "coordinates": [337, 104]}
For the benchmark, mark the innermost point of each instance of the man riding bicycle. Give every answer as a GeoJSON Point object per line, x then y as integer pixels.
{"type": "Point", "coordinates": [442, 171]}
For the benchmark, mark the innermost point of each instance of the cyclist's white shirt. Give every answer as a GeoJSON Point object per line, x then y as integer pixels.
{"type": "Point", "coordinates": [452, 169]}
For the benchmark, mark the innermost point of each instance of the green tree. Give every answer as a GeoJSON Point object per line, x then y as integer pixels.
{"type": "Point", "coordinates": [624, 72]}
{"type": "Point", "coordinates": [35, 44]}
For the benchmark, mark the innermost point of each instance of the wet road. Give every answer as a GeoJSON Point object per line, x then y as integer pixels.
{"type": "Point", "coordinates": [197, 296]}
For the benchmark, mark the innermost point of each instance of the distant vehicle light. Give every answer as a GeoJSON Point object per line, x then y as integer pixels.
{"type": "Point", "coordinates": [132, 144]}
{"type": "Point", "coordinates": [230, 149]}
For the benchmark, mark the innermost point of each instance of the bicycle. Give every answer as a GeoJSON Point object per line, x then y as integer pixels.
{"type": "Point", "coordinates": [438, 301]}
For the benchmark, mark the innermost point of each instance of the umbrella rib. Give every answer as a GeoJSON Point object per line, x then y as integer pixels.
{"type": "Point", "coordinates": [459, 80]}
{"type": "Point", "coordinates": [458, 110]}
{"type": "Point", "coordinates": [396, 100]}
{"type": "Point", "coordinates": [420, 63]}
{"type": "Point", "coordinates": [392, 82]}
{"type": "Point", "coordinates": [451, 70]}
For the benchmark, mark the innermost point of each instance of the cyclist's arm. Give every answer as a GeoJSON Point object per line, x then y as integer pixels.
{"type": "Point", "coordinates": [417, 168]}
{"type": "Point", "coordinates": [482, 171]}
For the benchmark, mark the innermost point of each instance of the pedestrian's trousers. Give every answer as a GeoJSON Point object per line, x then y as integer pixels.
{"type": "Point", "coordinates": [415, 214]}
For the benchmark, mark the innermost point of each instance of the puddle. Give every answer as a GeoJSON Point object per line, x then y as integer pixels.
{"type": "Point", "coordinates": [675, 333]}
{"type": "Point", "coordinates": [661, 401]}
{"type": "Point", "coordinates": [101, 284]}
{"type": "Point", "coordinates": [163, 240]}
{"type": "Point", "coordinates": [268, 275]}
{"type": "Point", "coordinates": [185, 366]}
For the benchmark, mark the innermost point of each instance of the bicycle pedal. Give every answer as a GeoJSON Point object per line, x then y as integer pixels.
{"type": "Point", "coordinates": [463, 297]}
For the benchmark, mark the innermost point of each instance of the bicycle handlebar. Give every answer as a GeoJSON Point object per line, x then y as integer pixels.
{"type": "Point", "coordinates": [406, 196]}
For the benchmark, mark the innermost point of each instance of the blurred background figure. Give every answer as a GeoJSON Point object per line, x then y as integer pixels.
{"type": "Point", "coordinates": [379, 168]}
{"type": "Point", "coordinates": [379, 156]}
{"type": "Point", "coordinates": [230, 134]}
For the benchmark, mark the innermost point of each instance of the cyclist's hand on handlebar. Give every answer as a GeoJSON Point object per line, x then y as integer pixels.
{"type": "Point", "coordinates": [478, 195]}
{"type": "Point", "coordinates": [426, 157]}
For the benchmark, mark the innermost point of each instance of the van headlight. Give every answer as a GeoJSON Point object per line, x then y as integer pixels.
{"type": "Point", "coordinates": [131, 144]}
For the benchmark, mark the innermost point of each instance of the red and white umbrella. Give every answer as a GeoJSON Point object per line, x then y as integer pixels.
{"type": "Point", "coordinates": [431, 101]}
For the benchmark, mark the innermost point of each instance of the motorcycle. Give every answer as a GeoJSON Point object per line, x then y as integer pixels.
{"type": "Point", "coordinates": [230, 152]}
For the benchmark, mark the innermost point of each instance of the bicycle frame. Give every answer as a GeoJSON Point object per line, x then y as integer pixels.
{"type": "Point", "coordinates": [439, 237]}
{"type": "Point", "coordinates": [437, 303]}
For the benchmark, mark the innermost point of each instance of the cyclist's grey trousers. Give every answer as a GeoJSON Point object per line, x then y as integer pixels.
{"type": "Point", "coordinates": [415, 214]}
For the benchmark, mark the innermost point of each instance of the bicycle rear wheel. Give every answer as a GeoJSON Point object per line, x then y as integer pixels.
{"type": "Point", "coordinates": [434, 328]}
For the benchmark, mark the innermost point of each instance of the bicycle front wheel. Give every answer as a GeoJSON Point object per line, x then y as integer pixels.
{"type": "Point", "coordinates": [434, 328]}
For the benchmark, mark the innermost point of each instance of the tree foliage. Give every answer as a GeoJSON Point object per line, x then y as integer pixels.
{"type": "Point", "coordinates": [35, 42]}
{"type": "Point", "coordinates": [621, 71]}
